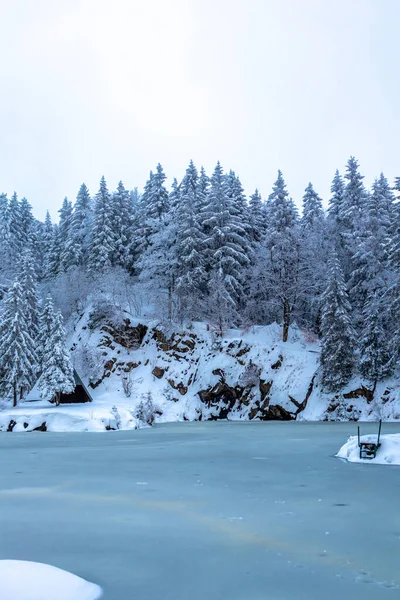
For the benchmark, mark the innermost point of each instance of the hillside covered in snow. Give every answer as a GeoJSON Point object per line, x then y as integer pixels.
{"type": "Point", "coordinates": [138, 371]}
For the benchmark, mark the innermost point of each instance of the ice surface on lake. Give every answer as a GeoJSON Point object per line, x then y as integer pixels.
{"type": "Point", "coordinates": [297, 525]}
{"type": "Point", "coordinates": [23, 580]}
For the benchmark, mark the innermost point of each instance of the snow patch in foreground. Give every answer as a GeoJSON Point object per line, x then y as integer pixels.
{"type": "Point", "coordinates": [23, 580]}
{"type": "Point", "coordinates": [388, 453]}
{"type": "Point", "coordinates": [69, 418]}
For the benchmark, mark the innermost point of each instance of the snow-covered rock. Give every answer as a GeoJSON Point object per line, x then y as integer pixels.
{"type": "Point", "coordinates": [387, 454]}
{"type": "Point", "coordinates": [23, 580]}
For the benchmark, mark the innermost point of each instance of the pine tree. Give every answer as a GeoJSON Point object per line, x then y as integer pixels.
{"type": "Point", "coordinates": [256, 218]}
{"type": "Point", "coordinates": [16, 232]}
{"type": "Point", "coordinates": [57, 373]}
{"type": "Point", "coordinates": [369, 274]}
{"type": "Point", "coordinates": [26, 224]}
{"type": "Point", "coordinates": [121, 225]}
{"type": "Point", "coordinates": [313, 252]}
{"type": "Point", "coordinates": [18, 360]}
{"type": "Point", "coordinates": [48, 241]}
{"type": "Point", "coordinates": [6, 265]}
{"type": "Point", "coordinates": [335, 208]}
{"type": "Point", "coordinates": [102, 240]}
{"type": "Point", "coordinates": [313, 213]}
{"type": "Point", "coordinates": [46, 325]}
{"type": "Point", "coordinates": [191, 278]}
{"type": "Point", "coordinates": [152, 210]}
{"type": "Point", "coordinates": [226, 242]}
{"type": "Point", "coordinates": [281, 254]}
{"type": "Point", "coordinates": [337, 342]}
{"type": "Point", "coordinates": [63, 233]}
{"type": "Point", "coordinates": [393, 294]}
{"type": "Point", "coordinates": [375, 355]}
{"type": "Point", "coordinates": [77, 245]}
{"type": "Point", "coordinates": [28, 281]}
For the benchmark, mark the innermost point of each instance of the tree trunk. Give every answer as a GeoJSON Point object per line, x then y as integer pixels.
{"type": "Point", "coordinates": [286, 319]}
{"type": "Point", "coordinates": [15, 400]}
{"type": "Point", "coordinates": [58, 396]}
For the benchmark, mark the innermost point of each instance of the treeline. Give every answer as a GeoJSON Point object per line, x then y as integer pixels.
{"type": "Point", "coordinates": [206, 252]}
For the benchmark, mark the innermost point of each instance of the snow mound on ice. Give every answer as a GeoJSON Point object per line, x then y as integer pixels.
{"type": "Point", "coordinates": [77, 418]}
{"type": "Point", "coordinates": [388, 453]}
{"type": "Point", "coordinates": [23, 580]}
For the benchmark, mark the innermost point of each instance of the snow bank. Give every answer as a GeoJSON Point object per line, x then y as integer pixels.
{"type": "Point", "coordinates": [22, 580]}
{"type": "Point", "coordinates": [66, 418]}
{"type": "Point", "coordinates": [388, 453]}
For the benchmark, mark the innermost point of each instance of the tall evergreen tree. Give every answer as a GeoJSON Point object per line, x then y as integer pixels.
{"type": "Point", "coordinates": [256, 217]}
{"type": "Point", "coordinates": [28, 282]}
{"type": "Point", "coordinates": [79, 232]}
{"type": "Point", "coordinates": [191, 277]}
{"type": "Point", "coordinates": [281, 254]}
{"type": "Point", "coordinates": [337, 343]}
{"type": "Point", "coordinates": [57, 373]}
{"type": "Point", "coordinates": [313, 213]}
{"type": "Point", "coordinates": [375, 356]}
{"type": "Point", "coordinates": [46, 325]}
{"type": "Point", "coordinates": [369, 275]}
{"type": "Point", "coordinates": [121, 225]}
{"type": "Point", "coordinates": [18, 360]}
{"type": "Point", "coordinates": [335, 209]}
{"type": "Point", "coordinates": [226, 242]}
{"type": "Point", "coordinates": [102, 239]}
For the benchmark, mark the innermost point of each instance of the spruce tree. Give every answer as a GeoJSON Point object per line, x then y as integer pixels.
{"type": "Point", "coordinates": [79, 232]}
{"type": "Point", "coordinates": [63, 233]}
{"type": "Point", "coordinates": [337, 341]}
{"type": "Point", "coordinates": [26, 224]}
{"type": "Point", "coordinates": [121, 225]}
{"type": "Point", "coordinates": [369, 274]}
{"type": "Point", "coordinates": [102, 239]}
{"type": "Point", "coordinates": [375, 356]}
{"type": "Point", "coordinates": [281, 254]}
{"type": "Point", "coordinates": [191, 277]}
{"type": "Point", "coordinates": [46, 325]}
{"type": "Point", "coordinates": [48, 241]}
{"type": "Point", "coordinates": [6, 264]}
{"type": "Point", "coordinates": [28, 281]}
{"type": "Point", "coordinates": [18, 359]}
{"type": "Point", "coordinates": [226, 242]}
{"type": "Point", "coordinates": [313, 213]}
{"type": "Point", "coordinates": [335, 209]}
{"type": "Point", "coordinates": [256, 218]}
{"type": "Point", "coordinates": [57, 372]}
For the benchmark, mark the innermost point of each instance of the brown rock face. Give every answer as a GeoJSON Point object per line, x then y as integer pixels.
{"type": "Point", "coordinates": [265, 387]}
{"type": "Point", "coordinates": [182, 389]}
{"type": "Point", "coordinates": [125, 335]}
{"type": "Point", "coordinates": [361, 392]}
{"type": "Point", "coordinates": [158, 372]}
{"type": "Point", "coordinates": [278, 363]}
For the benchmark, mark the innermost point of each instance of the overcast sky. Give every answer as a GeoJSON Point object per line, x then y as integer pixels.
{"type": "Point", "coordinates": [93, 87]}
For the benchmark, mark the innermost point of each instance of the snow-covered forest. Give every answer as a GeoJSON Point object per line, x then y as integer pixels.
{"type": "Point", "coordinates": [200, 250]}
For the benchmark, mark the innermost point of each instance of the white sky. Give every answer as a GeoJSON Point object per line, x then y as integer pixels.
{"type": "Point", "coordinates": [93, 87]}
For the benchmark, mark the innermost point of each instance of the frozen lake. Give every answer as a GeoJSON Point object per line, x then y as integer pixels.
{"type": "Point", "coordinates": [205, 511]}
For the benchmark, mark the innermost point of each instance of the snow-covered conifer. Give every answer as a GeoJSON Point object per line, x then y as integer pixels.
{"type": "Point", "coordinates": [337, 343]}
{"type": "Point", "coordinates": [18, 359]}
{"type": "Point", "coordinates": [57, 372]}
{"type": "Point", "coordinates": [102, 239]}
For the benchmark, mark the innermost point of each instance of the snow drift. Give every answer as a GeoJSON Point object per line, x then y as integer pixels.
{"type": "Point", "coordinates": [22, 580]}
